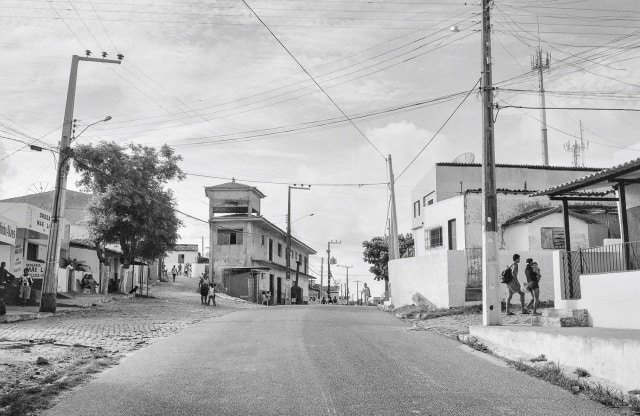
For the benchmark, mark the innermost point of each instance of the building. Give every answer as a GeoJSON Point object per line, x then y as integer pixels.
{"type": "Point", "coordinates": [248, 252]}
{"type": "Point", "coordinates": [182, 255]}
{"type": "Point", "coordinates": [447, 229]}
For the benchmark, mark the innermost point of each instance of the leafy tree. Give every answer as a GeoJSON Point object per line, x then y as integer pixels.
{"type": "Point", "coordinates": [130, 205]}
{"type": "Point", "coordinates": [376, 253]}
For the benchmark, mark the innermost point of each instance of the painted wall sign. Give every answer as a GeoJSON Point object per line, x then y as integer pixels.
{"type": "Point", "coordinates": [17, 261]}
{"type": "Point", "coordinates": [7, 231]}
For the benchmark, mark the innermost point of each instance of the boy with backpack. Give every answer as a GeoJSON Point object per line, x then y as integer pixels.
{"type": "Point", "coordinates": [510, 278]}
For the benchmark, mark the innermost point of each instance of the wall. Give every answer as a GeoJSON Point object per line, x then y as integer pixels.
{"type": "Point", "coordinates": [439, 275]}
{"type": "Point", "coordinates": [528, 236]}
{"type": "Point", "coordinates": [172, 257]}
{"type": "Point", "coordinates": [611, 299]}
{"type": "Point", "coordinates": [439, 214]}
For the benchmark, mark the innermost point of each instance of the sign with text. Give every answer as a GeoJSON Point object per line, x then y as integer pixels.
{"type": "Point", "coordinates": [7, 231]}
{"type": "Point", "coordinates": [36, 270]}
{"type": "Point", "coordinates": [39, 220]}
{"type": "Point", "coordinates": [17, 261]}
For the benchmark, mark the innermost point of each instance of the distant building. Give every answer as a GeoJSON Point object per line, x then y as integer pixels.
{"type": "Point", "coordinates": [180, 256]}
{"type": "Point", "coordinates": [248, 252]}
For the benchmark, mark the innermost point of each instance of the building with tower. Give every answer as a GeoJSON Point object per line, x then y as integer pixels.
{"type": "Point", "coordinates": [248, 252]}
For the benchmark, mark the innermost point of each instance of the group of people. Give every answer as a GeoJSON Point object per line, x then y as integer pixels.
{"type": "Point", "coordinates": [207, 291]}
{"type": "Point", "coordinates": [88, 282]}
{"type": "Point", "coordinates": [24, 282]}
{"type": "Point", "coordinates": [532, 285]}
{"type": "Point", "coordinates": [330, 301]}
{"type": "Point", "coordinates": [175, 271]}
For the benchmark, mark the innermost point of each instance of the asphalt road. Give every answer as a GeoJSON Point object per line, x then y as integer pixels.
{"type": "Point", "coordinates": [315, 360]}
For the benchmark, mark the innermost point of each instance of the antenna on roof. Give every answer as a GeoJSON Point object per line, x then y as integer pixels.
{"type": "Point", "coordinates": [465, 158]}
{"type": "Point", "coordinates": [233, 180]}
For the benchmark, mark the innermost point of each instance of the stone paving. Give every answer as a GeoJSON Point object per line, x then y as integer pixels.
{"type": "Point", "coordinates": [126, 324]}
{"type": "Point", "coordinates": [454, 325]}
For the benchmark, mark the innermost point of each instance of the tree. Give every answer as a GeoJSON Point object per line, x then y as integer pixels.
{"type": "Point", "coordinates": [130, 205]}
{"type": "Point", "coordinates": [376, 253]}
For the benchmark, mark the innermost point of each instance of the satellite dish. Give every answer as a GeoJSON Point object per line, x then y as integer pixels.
{"type": "Point", "coordinates": [39, 187]}
{"type": "Point", "coordinates": [465, 158]}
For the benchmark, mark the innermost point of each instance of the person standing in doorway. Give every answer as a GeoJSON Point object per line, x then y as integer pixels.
{"type": "Point", "coordinates": [366, 294]}
{"type": "Point", "coordinates": [25, 282]}
{"type": "Point", "coordinates": [174, 272]}
{"type": "Point", "coordinates": [514, 286]}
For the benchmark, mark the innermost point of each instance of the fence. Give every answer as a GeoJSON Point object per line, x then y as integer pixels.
{"type": "Point", "coordinates": [473, 291]}
{"type": "Point", "coordinates": [605, 259]}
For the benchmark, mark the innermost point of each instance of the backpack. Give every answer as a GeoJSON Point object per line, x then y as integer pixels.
{"type": "Point", "coordinates": [506, 276]}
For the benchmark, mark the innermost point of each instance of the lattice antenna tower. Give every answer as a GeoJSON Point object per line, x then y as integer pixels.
{"type": "Point", "coordinates": [576, 149]}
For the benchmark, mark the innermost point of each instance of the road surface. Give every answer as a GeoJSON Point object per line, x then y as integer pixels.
{"type": "Point", "coordinates": [315, 360]}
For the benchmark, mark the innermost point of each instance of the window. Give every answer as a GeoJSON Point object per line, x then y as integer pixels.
{"type": "Point", "coordinates": [451, 229]}
{"type": "Point", "coordinates": [32, 252]}
{"type": "Point", "coordinates": [416, 209]}
{"type": "Point", "coordinates": [424, 201]}
{"type": "Point", "coordinates": [430, 202]}
{"type": "Point", "coordinates": [180, 258]}
{"type": "Point", "coordinates": [279, 250]}
{"type": "Point", "coordinates": [552, 237]}
{"type": "Point", "coordinates": [229, 237]}
{"type": "Point", "coordinates": [262, 239]}
{"type": "Point", "coordinates": [433, 238]}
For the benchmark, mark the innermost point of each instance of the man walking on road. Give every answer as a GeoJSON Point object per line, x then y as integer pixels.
{"type": "Point", "coordinates": [366, 294]}
{"type": "Point", "coordinates": [174, 272]}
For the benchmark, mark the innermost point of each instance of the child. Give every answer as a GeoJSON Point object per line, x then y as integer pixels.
{"type": "Point", "coordinates": [212, 294]}
{"type": "Point", "coordinates": [204, 292]}
{"type": "Point", "coordinates": [25, 282]}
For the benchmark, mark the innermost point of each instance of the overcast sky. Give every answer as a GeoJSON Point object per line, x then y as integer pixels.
{"type": "Point", "coordinates": [209, 79]}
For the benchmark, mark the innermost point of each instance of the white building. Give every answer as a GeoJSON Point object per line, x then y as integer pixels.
{"type": "Point", "coordinates": [248, 252]}
{"type": "Point", "coordinates": [447, 229]}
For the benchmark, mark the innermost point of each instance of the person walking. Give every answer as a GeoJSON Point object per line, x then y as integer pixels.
{"type": "Point", "coordinates": [265, 299]}
{"type": "Point", "coordinates": [204, 291]}
{"type": "Point", "coordinates": [366, 294]}
{"type": "Point", "coordinates": [514, 286]}
{"type": "Point", "coordinates": [174, 272]}
{"type": "Point", "coordinates": [532, 271]}
{"type": "Point", "coordinates": [212, 294]}
{"type": "Point", "coordinates": [25, 282]}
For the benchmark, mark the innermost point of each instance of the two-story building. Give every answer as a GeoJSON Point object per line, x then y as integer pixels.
{"type": "Point", "coordinates": [447, 229]}
{"type": "Point", "coordinates": [248, 252]}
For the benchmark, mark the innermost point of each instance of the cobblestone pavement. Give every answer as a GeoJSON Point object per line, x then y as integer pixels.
{"type": "Point", "coordinates": [126, 324]}
{"type": "Point", "coordinates": [453, 325]}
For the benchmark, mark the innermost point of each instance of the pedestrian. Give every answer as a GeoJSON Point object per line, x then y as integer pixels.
{"type": "Point", "coordinates": [324, 300]}
{"type": "Point", "coordinates": [335, 300]}
{"type": "Point", "coordinates": [5, 278]}
{"type": "Point", "coordinates": [174, 272]}
{"type": "Point", "coordinates": [212, 294]}
{"type": "Point", "coordinates": [265, 299]}
{"type": "Point", "coordinates": [179, 268]}
{"type": "Point", "coordinates": [25, 282]}
{"type": "Point", "coordinates": [532, 271]}
{"type": "Point", "coordinates": [366, 293]}
{"type": "Point", "coordinates": [514, 286]}
{"type": "Point", "coordinates": [204, 291]}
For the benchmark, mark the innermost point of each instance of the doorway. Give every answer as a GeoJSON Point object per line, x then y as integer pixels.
{"type": "Point", "coordinates": [271, 289]}
{"type": "Point", "coordinates": [279, 290]}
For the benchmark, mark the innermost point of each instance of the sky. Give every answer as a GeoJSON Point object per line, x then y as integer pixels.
{"type": "Point", "coordinates": [267, 105]}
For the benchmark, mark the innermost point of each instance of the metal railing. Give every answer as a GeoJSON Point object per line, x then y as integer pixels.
{"type": "Point", "coordinates": [605, 259]}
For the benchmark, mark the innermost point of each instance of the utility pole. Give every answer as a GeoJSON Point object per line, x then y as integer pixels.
{"type": "Point", "coordinates": [394, 249]}
{"type": "Point", "coordinates": [321, 274]}
{"type": "Point", "coordinates": [50, 281]}
{"type": "Point", "coordinates": [329, 265]}
{"type": "Point", "coordinates": [347, 288]}
{"type": "Point", "coordinates": [288, 249]}
{"type": "Point", "coordinates": [537, 63]}
{"type": "Point", "coordinates": [358, 292]}
{"type": "Point", "coordinates": [491, 314]}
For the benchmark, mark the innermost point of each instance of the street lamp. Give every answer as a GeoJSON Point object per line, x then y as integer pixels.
{"type": "Point", "coordinates": [301, 218]}
{"type": "Point", "coordinates": [107, 118]}
{"type": "Point", "coordinates": [347, 291]}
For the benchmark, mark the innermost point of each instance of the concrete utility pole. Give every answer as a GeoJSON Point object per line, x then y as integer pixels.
{"type": "Point", "coordinates": [288, 249]}
{"type": "Point", "coordinates": [358, 292]}
{"type": "Point", "coordinates": [321, 274]}
{"type": "Point", "coordinates": [394, 244]}
{"type": "Point", "coordinates": [537, 63]}
{"type": "Point", "coordinates": [50, 282]}
{"type": "Point", "coordinates": [329, 265]}
{"type": "Point", "coordinates": [491, 314]}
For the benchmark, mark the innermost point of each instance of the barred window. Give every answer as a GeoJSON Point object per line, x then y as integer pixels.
{"type": "Point", "coordinates": [433, 238]}
{"type": "Point", "coordinates": [229, 237]}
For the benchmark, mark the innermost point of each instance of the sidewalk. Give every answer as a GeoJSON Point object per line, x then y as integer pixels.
{"type": "Point", "coordinates": [64, 305]}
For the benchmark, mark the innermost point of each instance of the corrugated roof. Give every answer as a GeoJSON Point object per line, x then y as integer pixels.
{"type": "Point", "coordinates": [603, 176]}
{"type": "Point", "coordinates": [537, 213]}
{"type": "Point", "coordinates": [507, 165]}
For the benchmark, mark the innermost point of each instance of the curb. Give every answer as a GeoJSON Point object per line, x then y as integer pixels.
{"type": "Point", "coordinates": [28, 316]}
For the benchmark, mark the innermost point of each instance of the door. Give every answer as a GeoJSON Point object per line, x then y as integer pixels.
{"type": "Point", "coordinates": [453, 245]}
{"type": "Point", "coordinates": [271, 253]}
{"type": "Point", "coordinates": [271, 289]}
{"type": "Point", "coordinates": [279, 291]}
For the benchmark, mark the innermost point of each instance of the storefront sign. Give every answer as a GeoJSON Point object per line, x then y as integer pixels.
{"type": "Point", "coordinates": [7, 231]}
{"type": "Point", "coordinates": [39, 220]}
{"type": "Point", "coordinates": [17, 261]}
{"type": "Point", "coordinates": [36, 270]}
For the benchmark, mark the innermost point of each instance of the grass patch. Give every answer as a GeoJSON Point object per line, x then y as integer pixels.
{"type": "Point", "coordinates": [553, 373]}
{"type": "Point", "coordinates": [581, 372]}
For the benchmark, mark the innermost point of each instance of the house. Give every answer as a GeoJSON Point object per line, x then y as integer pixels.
{"type": "Point", "coordinates": [447, 229]}
{"type": "Point", "coordinates": [76, 244]}
{"type": "Point", "coordinates": [182, 255]}
{"type": "Point", "coordinates": [248, 252]}
{"type": "Point", "coordinates": [602, 280]}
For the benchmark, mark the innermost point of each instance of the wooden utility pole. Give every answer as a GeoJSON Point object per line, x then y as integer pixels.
{"type": "Point", "coordinates": [491, 314]}
{"type": "Point", "coordinates": [288, 249]}
{"type": "Point", "coordinates": [50, 281]}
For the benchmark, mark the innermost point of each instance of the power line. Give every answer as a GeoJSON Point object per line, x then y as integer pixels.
{"type": "Point", "coordinates": [359, 185]}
